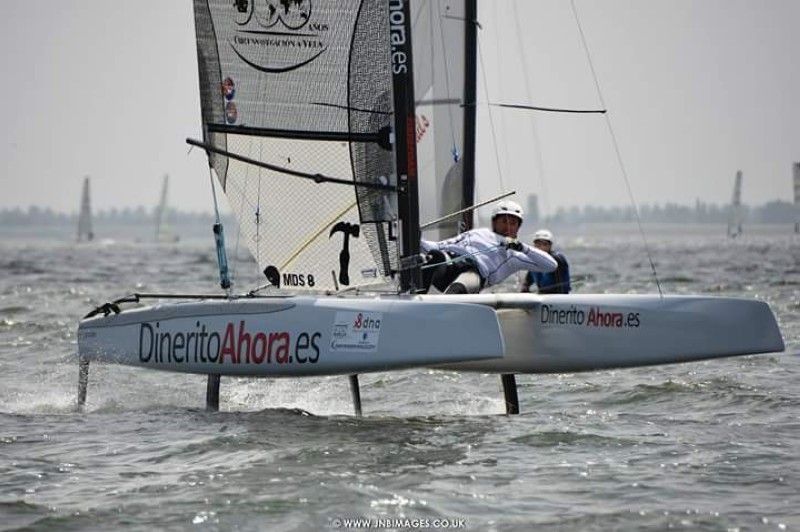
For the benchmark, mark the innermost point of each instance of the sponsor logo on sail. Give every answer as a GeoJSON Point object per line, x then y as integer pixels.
{"type": "Point", "coordinates": [278, 35]}
{"type": "Point", "coordinates": [397, 36]}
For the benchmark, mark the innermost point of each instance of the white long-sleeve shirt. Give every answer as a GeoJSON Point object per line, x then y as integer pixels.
{"type": "Point", "coordinates": [495, 261]}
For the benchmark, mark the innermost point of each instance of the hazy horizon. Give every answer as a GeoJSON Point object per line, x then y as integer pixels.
{"type": "Point", "coordinates": [694, 90]}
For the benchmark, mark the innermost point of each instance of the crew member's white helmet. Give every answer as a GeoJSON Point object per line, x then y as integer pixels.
{"type": "Point", "coordinates": [508, 207]}
{"type": "Point", "coordinates": [543, 234]}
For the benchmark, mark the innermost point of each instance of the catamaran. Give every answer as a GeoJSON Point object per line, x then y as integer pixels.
{"type": "Point", "coordinates": [333, 139]}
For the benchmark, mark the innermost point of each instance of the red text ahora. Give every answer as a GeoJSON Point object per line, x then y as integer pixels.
{"type": "Point", "coordinates": [236, 345]}
{"type": "Point", "coordinates": [594, 318]}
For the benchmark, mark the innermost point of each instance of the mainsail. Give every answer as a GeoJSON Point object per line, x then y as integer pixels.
{"type": "Point", "coordinates": [85, 217]}
{"type": "Point", "coordinates": [444, 34]}
{"type": "Point", "coordinates": [305, 87]}
{"type": "Point", "coordinates": [735, 214]}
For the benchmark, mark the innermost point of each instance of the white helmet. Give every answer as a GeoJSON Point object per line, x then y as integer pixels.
{"type": "Point", "coordinates": [508, 207]}
{"type": "Point", "coordinates": [543, 234]}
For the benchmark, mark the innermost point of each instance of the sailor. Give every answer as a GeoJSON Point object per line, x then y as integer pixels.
{"type": "Point", "coordinates": [556, 282]}
{"type": "Point", "coordinates": [482, 257]}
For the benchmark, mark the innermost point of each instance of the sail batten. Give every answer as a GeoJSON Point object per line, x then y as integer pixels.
{"type": "Point", "coordinates": [378, 136]}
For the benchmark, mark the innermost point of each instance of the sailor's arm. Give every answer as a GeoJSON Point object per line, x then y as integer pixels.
{"type": "Point", "coordinates": [428, 245]}
{"type": "Point", "coordinates": [454, 244]}
{"type": "Point", "coordinates": [533, 258]}
{"type": "Point", "coordinates": [564, 265]}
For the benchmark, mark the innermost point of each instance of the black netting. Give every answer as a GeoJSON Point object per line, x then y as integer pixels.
{"type": "Point", "coordinates": [315, 73]}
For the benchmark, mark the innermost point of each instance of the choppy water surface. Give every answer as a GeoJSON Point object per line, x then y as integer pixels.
{"type": "Point", "coordinates": [702, 446]}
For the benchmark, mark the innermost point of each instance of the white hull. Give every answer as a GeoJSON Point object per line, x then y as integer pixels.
{"type": "Point", "coordinates": [571, 333]}
{"type": "Point", "coordinates": [292, 336]}
{"type": "Point", "coordinates": [302, 336]}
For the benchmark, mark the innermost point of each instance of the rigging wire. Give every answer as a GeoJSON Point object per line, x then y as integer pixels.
{"type": "Point", "coordinates": [242, 198]}
{"type": "Point", "coordinates": [534, 130]}
{"type": "Point", "coordinates": [449, 108]}
{"type": "Point", "coordinates": [219, 238]}
{"type": "Point", "coordinates": [491, 116]}
{"type": "Point", "coordinates": [258, 206]}
{"type": "Point", "coordinates": [500, 118]}
{"type": "Point", "coordinates": [620, 161]}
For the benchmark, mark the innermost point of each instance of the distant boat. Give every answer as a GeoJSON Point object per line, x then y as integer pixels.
{"type": "Point", "coordinates": [85, 232]}
{"type": "Point", "coordinates": [164, 232]}
{"type": "Point", "coordinates": [735, 214]}
{"type": "Point", "coordinates": [796, 168]}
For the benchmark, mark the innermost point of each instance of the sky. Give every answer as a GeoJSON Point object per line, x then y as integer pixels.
{"type": "Point", "coordinates": [695, 90]}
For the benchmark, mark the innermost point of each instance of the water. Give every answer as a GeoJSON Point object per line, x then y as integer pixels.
{"type": "Point", "coordinates": [702, 446]}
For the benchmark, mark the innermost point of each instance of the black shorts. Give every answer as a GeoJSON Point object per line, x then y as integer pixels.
{"type": "Point", "coordinates": [442, 268]}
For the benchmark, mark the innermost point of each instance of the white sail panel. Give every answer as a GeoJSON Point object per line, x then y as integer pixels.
{"type": "Point", "coordinates": [439, 28]}
{"type": "Point", "coordinates": [304, 235]}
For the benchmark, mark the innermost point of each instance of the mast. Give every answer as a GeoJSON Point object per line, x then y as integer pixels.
{"type": "Point", "coordinates": [470, 109]}
{"type": "Point", "coordinates": [405, 144]}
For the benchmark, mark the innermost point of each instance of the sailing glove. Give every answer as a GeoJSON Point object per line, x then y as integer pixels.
{"type": "Point", "coordinates": [516, 245]}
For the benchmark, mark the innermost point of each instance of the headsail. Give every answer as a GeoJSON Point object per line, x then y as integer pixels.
{"type": "Point", "coordinates": [304, 86]}
{"type": "Point", "coordinates": [444, 84]}
{"type": "Point", "coordinates": [85, 231]}
{"type": "Point", "coordinates": [735, 214]}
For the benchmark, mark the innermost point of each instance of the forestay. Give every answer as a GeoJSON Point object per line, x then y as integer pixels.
{"type": "Point", "coordinates": [307, 87]}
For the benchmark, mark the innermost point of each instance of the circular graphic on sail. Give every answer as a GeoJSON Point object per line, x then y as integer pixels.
{"type": "Point", "coordinates": [293, 14]}
{"type": "Point", "coordinates": [228, 88]}
{"type": "Point", "coordinates": [231, 113]}
{"type": "Point", "coordinates": [244, 11]}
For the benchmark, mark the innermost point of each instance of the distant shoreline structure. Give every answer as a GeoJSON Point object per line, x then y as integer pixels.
{"type": "Point", "coordinates": [773, 212]}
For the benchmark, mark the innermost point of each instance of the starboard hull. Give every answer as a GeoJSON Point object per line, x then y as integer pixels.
{"type": "Point", "coordinates": [576, 332]}
{"type": "Point", "coordinates": [292, 336]}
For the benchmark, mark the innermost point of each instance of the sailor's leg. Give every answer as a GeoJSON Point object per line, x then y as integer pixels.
{"type": "Point", "coordinates": [83, 380]}
{"type": "Point", "coordinates": [431, 271]}
{"type": "Point", "coordinates": [467, 282]}
{"type": "Point", "coordinates": [356, 393]}
{"type": "Point", "coordinates": [212, 393]}
{"type": "Point", "coordinates": [510, 392]}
